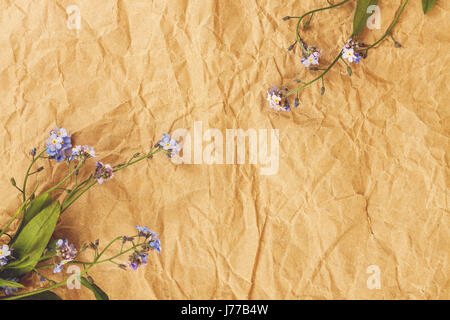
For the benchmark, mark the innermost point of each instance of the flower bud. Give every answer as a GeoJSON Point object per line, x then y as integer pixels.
{"type": "Point", "coordinates": [291, 47]}
{"type": "Point", "coordinates": [286, 18]}
{"type": "Point", "coordinates": [296, 102]}
{"type": "Point", "coordinates": [33, 152]}
{"type": "Point", "coordinates": [349, 71]}
{"type": "Point", "coordinates": [322, 91]}
{"type": "Point", "coordinates": [306, 25]}
{"type": "Point", "coordinates": [136, 155]}
{"type": "Point", "coordinates": [397, 44]}
{"type": "Point", "coordinates": [40, 169]}
{"type": "Point", "coordinates": [13, 182]}
{"type": "Point", "coordinates": [122, 266]}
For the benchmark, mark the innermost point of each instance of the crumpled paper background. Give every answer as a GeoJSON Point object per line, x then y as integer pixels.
{"type": "Point", "coordinates": [363, 177]}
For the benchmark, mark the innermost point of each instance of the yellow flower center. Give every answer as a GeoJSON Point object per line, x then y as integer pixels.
{"type": "Point", "coordinates": [1, 252]}
{"type": "Point", "coordinates": [54, 141]}
{"type": "Point", "coordinates": [58, 133]}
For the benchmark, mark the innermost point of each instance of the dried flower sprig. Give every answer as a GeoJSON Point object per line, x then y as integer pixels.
{"type": "Point", "coordinates": [140, 246]}
{"type": "Point", "coordinates": [31, 244]}
{"type": "Point", "coordinates": [352, 51]}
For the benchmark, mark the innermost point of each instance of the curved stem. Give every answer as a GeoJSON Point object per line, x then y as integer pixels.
{"type": "Point", "coordinates": [391, 27]}
{"type": "Point", "coordinates": [146, 156]}
{"type": "Point", "coordinates": [297, 32]}
{"type": "Point", "coordinates": [317, 78]}
{"type": "Point", "coordinates": [90, 265]}
{"type": "Point", "coordinates": [21, 208]}
{"type": "Point", "coordinates": [79, 191]}
{"type": "Point", "coordinates": [28, 174]}
{"type": "Point", "coordinates": [72, 199]}
{"type": "Point", "coordinates": [67, 177]}
{"type": "Point", "coordinates": [14, 217]}
{"type": "Point", "coordinates": [387, 33]}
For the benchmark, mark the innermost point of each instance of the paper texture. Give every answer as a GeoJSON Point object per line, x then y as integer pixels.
{"type": "Point", "coordinates": [363, 175]}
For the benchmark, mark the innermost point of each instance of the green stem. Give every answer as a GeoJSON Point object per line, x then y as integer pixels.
{"type": "Point", "coordinates": [391, 27]}
{"type": "Point", "coordinates": [14, 217]}
{"type": "Point", "coordinates": [77, 188]}
{"type": "Point", "coordinates": [85, 271]}
{"type": "Point", "coordinates": [67, 177]}
{"type": "Point", "coordinates": [68, 202]}
{"type": "Point", "coordinates": [317, 78]}
{"type": "Point", "coordinates": [74, 198]}
{"type": "Point", "coordinates": [297, 29]}
{"type": "Point", "coordinates": [27, 174]}
{"type": "Point", "coordinates": [343, 60]}
{"type": "Point", "coordinates": [146, 156]}
{"type": "Point", "coordinates": [388, 32]}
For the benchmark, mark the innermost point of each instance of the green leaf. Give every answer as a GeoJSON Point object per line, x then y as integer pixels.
{"type": "Point", "coordinates": [32, 240]}
{"type": "Point", "coordinates": [427, 5]}
{"type": "Point", "coordinates": [98, 293]}
{"type": "Point", "coordinates": [46, 295]}
{"type": "Point", "coordinates": [12, 284]}
{"type": "Point", "coordinates": [37, 205]}
{"type": "Point", "coordinates": [361, 15]}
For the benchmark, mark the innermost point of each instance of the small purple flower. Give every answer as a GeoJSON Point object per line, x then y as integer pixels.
{"type": "Point", "coordinates": [82, 152]}
{"type": "Point", "coordinates": [3, 262]}
{"type": "Point", "coordinates": [138, 259]}
{"type": "Point", "coordinates": [350, 51]}
{"type": "Point", "coordinates": [59, 145]}
{"type": "Point", "coordinates": [155, 244]}
{"type": "Point", "coordinates": [143, 231]}
{"type": "Point", "coordinates": [311, 56]}
{"type": "Point", "coordinates": [275, 98]}
{"type": "Point", "coordinates": [103, 172]}
{"type": "Point", "coordinates": [66, 251]}
{"type": "Point", "coordinates": [153, 239]}
{"type": "Point", "coordinates": [5, 251]}
{"type": "Point", "coordinates": [60, 266]}
{"type": "Point", "coordinates": [170, 145]}
{"type": "Point", "coordinates": [33, 152]}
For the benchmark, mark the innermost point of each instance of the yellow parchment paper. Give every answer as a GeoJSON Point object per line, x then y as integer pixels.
{"type": "Point", "coordinates": [363, 176]}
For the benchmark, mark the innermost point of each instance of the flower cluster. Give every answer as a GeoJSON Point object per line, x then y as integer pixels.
{"type": "Point", "coordinates": [82, 152]}
{"type": "Point", "coordinates": [351, 50]}
{"type": "Point", "coordinates": [278, 101]}
{"type": "Point", "coordinates": [66, 251]}
{"type": "Point", "coordinates": [169, 145]}
{"type": "Point", "coordinates": [10, 290]}
{"type": "Point", "coordinates": [139, 257]}
{"type": "Point", "coordinates": [59, 145]}
{"type": "Point", "coordinates": [5, 252]}
{"type": "Point", "coordinates": [103, 172]}
{"type": "Point", "coordinates": [151, 236]}
{"type": "Point", "coordinates": [311, 56]}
